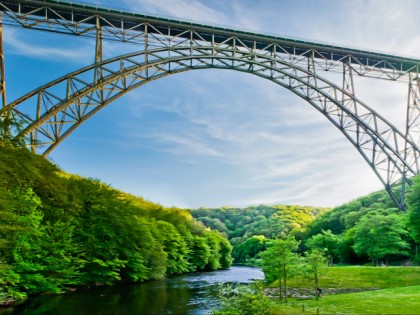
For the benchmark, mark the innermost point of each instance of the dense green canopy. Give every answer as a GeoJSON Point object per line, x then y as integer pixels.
{"type": "Point", "coordinates": [59, 230]}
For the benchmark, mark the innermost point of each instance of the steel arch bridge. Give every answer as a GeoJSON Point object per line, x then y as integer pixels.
{"type": "Point", "coordinates": [49, 114]}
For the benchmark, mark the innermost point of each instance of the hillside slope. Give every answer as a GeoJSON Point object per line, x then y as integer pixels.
{"type": "Point", "coordinates": [60, 230]}
{"type": "Point", "coordinates": [249, 228]}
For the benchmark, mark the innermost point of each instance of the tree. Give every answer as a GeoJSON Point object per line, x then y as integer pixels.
{"type": "Point", "coordinates": [379, 236]}
{"type": "Point", "coordinates": [325, 241]}
{"type": "Point", "coordinates": [249, 249]}
{"type": "Point", "coordinates": [316, 265]}
{"type": "Point", "coordinates": [200, 254]}
{"type": "Point", "coordinates": [279, 261]}
{"type": "Point", "coordinates": [174, 245]}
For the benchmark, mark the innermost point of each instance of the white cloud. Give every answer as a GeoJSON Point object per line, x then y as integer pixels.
{"type": "Point", "coordinates": [184, 9]}
{"type": "Point", "coordinates": [52, 51]}
{"type": "Point", "coordinates": [187, 145]}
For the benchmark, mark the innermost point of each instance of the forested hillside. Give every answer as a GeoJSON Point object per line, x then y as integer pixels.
{"type": "Point", "coordinates": [369, 228]}
{"type": "Point", "coordinates": [60, 231]}
{"type": "Point", "coordinates": [248, 229]}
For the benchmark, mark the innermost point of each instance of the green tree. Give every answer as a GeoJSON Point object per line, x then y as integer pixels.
{"type": "Point", "coordinates": [174, 245]}
{"type": "Point", "coordinates": [225, 253]}
{"type": "Point", "coordinates": [280, 261]}
{"type": "Point", "coordinates": [200, 254]}
{"type": "Point", "coordinates": [379, 236]}
{"type": "Point", "coordinates": [325, 241]}
{"type": "Point", "coordinates": [316, 265]}
{"type": "Point", "coordinates": [249, 249]}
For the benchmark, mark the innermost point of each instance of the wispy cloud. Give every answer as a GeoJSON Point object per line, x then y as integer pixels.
{"type": "Point", "coordinates": [185, 9]}
{"type": "Point", "coordinates": [21, 44]}
{"type": "Point", "coordinates": [187, 145]}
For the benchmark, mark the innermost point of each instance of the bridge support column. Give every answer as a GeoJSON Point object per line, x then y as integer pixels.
{"type": "Point", "coordinates": [349, 100]}
{"type": "Point", "coordinates": [98, 73]}
{"type": "Point", "coordinates": [413, 109]}
{"type": "Point", "coordinates": [412, 127]}
{"type": "Point", "coordinates": [98, 51]}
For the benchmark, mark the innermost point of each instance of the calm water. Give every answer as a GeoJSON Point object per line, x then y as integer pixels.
{"type": "Point", "coordinates": [187, 294]}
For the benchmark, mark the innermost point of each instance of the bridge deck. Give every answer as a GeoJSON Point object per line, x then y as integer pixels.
{"type": "Point", "coordinates": [128, 21]}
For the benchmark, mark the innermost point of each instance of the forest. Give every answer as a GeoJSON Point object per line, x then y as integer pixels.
{"type": "Point", "coordinates": [60, 231]}
{"type": "Point", "coordinates": [369, 229]}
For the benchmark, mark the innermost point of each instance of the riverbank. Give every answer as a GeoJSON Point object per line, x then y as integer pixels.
{"type": "Point", "coordinates": [193, 293]}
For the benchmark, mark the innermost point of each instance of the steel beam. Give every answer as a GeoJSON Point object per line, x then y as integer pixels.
{"type": "Point", "coordinates": [168, 46]}
{"type": "Point", "coordinates": [81, 20]}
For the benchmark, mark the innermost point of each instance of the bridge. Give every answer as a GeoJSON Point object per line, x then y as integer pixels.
{"type": "Point", "coordinates": [50, 113]}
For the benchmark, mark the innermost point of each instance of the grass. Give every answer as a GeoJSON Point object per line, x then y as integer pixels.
{"type": "Point", "coordinates": [362, 277]}
{"type": "Point", "coordinates": [404, 300]}
{"type": "Point", "coordinates": [398, 291]}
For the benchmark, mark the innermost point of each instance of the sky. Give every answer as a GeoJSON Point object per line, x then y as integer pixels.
{"type": "Point", "coordinates": [213, 138]}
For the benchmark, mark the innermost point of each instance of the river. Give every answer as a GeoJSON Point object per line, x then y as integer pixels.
{"type": "Point", "coordinates": [186, 294]}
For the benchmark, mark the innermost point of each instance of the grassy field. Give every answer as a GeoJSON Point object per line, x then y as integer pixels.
{"type": "Point", "coordinates": [362, 277]}
{"type": "Point", "coordinates": [397, 291]}
{"type": "Point", "coordinates": [404, 300]}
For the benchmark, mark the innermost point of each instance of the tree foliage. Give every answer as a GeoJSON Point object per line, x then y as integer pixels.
{"type": "Point", "coordinates": [280, 261]}
{"type": "Point", "coordinates": [351, 234]}
{"type": "Point", "coordinates": [379, 236]}
{"type": "Point", "coordinates": [59, 230]}
{"type": "Point", "coordinates": [245, 227]}
{"type": "Point", "coordinates": [316, 264]}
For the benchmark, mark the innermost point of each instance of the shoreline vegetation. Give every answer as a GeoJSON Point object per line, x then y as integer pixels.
{"type": "Point", "coordinates": [61, 231]}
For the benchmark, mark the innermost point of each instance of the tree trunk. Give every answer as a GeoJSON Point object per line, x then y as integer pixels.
{"type": "Point", "coordinates": [316, 278]}
{"type": "Point", "coordinates": [285, 282]}
{"type": "Point", "coordinates": [280, 294]}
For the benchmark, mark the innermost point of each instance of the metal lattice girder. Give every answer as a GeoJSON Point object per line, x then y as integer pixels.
{"type": "Point", "coordinates": [167, 46]}
{"type": "Point", "coordinates": [53, 111]}
{"type": "Point", "coordinates": [84, 20]}
{"type": "Point", "coordinates": [413, 109]}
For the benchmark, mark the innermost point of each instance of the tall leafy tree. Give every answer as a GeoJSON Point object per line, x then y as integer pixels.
{"type": "Point", "coordinates": [200, 254]}
{"type": "Point", "coordinates": [316, 264]}
{"type": "Point", "coordinates": [280, 261]}
{"type": "Point", "coordinates": [249, 249]}
{"type": "Point", "coordinates": [379, 236]}
{"type": "Point", "coordinates": [174, 245]}
{"type": "Point", "coordinates": [325, 241]}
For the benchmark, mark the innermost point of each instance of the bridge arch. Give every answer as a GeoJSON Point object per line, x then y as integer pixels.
{"type": "Point", "coordinates": [50, 113]}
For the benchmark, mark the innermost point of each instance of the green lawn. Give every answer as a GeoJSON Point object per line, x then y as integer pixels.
{"type": "Point", "coordinates": [362, 277]}
{"type": "Point", "coordinates": [404, 300]}
{"type": "Point", "coordinates": [399, 291]}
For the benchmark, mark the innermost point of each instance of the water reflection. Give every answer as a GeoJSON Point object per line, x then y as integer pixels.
{"type": "Point", "coordinates": [187, 294]}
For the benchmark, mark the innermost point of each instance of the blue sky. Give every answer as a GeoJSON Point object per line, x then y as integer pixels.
{"type": "Point", "coordinates": [220, 138]}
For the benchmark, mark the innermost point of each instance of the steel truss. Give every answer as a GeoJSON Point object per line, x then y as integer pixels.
{"type": "Point", "coordinates": [50, 113]}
